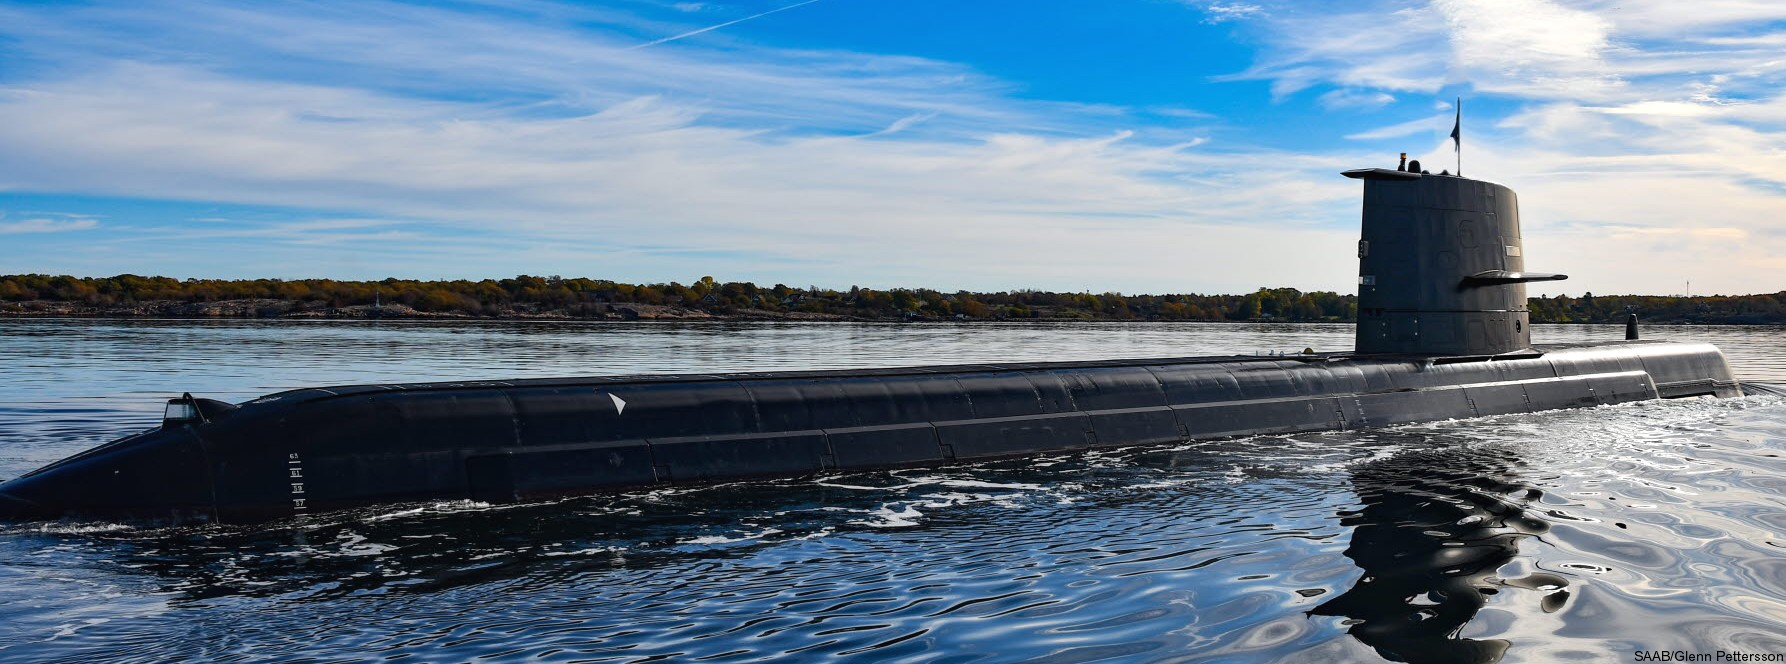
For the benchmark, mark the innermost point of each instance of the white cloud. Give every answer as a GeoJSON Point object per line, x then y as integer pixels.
{"type": "Point", "coordinates": [1643, 136]}
{"type": "Point", "coordinates": [1359, 99]}
{"type": "Point", "coordinates": [904, 123]}
{"type": "Point", "coordinates": [1638, 154]}
{"type": "Point", "coordinates": [1180, 113]}
{"type": "Point", "coordinates": [1670, 108]}
{"type": "Point", "coordinates": [1380, 46]}
{"type": "Point", "coordinates": [47, 225]}
{"type": "Point", "coordinates": [317, 232]}
{"type": "Point", "coordinates": [1437, 123]}
{"type": "Point", "coordinates": [1716, 232]}
{"type": "Point", "coordinates": [1529, 47]}
{"type": "Point", "coordinates": [1674, 19]}
{"type": "Point", "coordinates": [1223, 12]}
{"type": "Point", "coordinates": [1000, 209]}
{"type": "Point", "coordinates": [726, 24]}
{"type": "Point", "coordinates": [1505, 46]}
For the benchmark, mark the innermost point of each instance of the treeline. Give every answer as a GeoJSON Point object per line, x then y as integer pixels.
{"type": "Point", "coordinates": [580, 297]}
{"type": "Point", "coordinates": [594, 298]}
{"type": "Point", "coordinates": [1758, 309]}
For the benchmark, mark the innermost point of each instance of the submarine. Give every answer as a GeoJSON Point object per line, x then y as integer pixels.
{"type": "Point", "coordinates": [1443, 332]}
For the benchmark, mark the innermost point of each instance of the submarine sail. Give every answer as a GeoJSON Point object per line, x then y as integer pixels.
{"type": "Point", "coordinates": [1443, 333]}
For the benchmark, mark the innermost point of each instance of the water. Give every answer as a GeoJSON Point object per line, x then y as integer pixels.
{"type": "Point", "coordinates": [1581, 535]}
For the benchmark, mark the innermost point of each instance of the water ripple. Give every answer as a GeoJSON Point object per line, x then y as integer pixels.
{"type": "Point", "coordinates": [1569, 535]}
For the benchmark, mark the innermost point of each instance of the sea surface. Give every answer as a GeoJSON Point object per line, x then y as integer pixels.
{"type": "Point", "coordinates": [1588, 535]}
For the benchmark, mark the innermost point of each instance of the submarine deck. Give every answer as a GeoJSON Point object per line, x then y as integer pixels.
{"type": "Point", "coordinates": [319, 449]}
{"type": "Point", "coordinates": [332, 391]}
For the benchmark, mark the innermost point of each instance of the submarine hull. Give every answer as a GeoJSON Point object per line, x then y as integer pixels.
{"type": "Point", "coordinates": [322, 449]}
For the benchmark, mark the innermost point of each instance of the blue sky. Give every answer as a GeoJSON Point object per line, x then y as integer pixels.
{"type": "Point", "coordinates": [1130, 145]}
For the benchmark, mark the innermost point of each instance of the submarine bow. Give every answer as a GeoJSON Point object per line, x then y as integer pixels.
{"type": "Point", "coordinates": [1443, 333]}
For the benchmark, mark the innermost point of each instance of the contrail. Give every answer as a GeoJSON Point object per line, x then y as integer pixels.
{"type": "Point", "coordinates": [711, 28]}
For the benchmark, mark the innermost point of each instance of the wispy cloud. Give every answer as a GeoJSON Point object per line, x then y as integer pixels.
{"type": "Point", "coordinates": [1344, 98]}
{"type": "Point", "coordinates": [726, 24]}
{"type": "Point", "coordinates": [904, 123]}
{"type": "Point", "coordinates": [475, 139]}
{"type": "Point", "coordinates": [1638, 131]}
{"type": "Point", "coordinates": [316, 232]}
{"type": "Point", "coordinates": [1413, 127]}
{"type": "Point", "coordinates": [47, 225]}
{"type": "Point", "coordinates": [871, 168]}
{"type": "Point", "coordinates": [1222, 12]}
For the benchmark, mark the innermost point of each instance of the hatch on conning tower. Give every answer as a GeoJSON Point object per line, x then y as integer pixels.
{"type": "Point", "coordinates": [1440, 266]}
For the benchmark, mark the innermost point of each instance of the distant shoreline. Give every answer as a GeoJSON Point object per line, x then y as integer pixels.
{"type": "Point", "coordinates": [558, 298]}
{"type": "Point", "coordinates": [261, 309]}
{"type": "Point", "coordinates": [267, 309]}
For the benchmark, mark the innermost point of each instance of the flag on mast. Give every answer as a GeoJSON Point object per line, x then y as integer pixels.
{"type": "Point", "coordinates": [1457, 136]}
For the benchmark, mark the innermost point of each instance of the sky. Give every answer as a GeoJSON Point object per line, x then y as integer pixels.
{"type": "Point", "coordinates": [1138, 146]}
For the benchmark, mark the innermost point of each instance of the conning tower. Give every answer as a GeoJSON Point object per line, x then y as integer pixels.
{"type": "Point", "coordinates": [1441, 269]}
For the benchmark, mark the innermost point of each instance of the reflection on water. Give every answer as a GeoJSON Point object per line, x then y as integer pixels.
{"type": "Point", "coordinates": [1434, 529]}
{"type": "Point", "coordinates": [1077, 558]}
{"type": "Point", "coordinates": [1575, 535]}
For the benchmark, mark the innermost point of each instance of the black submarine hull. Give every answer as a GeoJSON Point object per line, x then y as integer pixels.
{"type": "Point", "coordinates": [316, 450]}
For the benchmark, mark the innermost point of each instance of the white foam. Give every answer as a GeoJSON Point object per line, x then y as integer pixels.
{"type": "Point", "coordinates": [823, 532]}
{"type": "Point", "coordinates": [79, 528]}
{"type": "Point", "coordinates": [886, 517]}
{"type": "Point", "coordinates": [854, 487]}
{"type": "Point", "coordinates": [979, 484]}
{"type": "Point", "coordinates": [585, 552]}
{"type": "Point", "coordinates": [357, 545]}
{"type": "Point", "coordinates": [441, 507]}
{"type": "Point", "coordinates": [708, 540]}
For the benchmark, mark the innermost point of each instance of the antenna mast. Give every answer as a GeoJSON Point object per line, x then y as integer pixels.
{"type": "Point", "coordinates": [1457, 134]}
